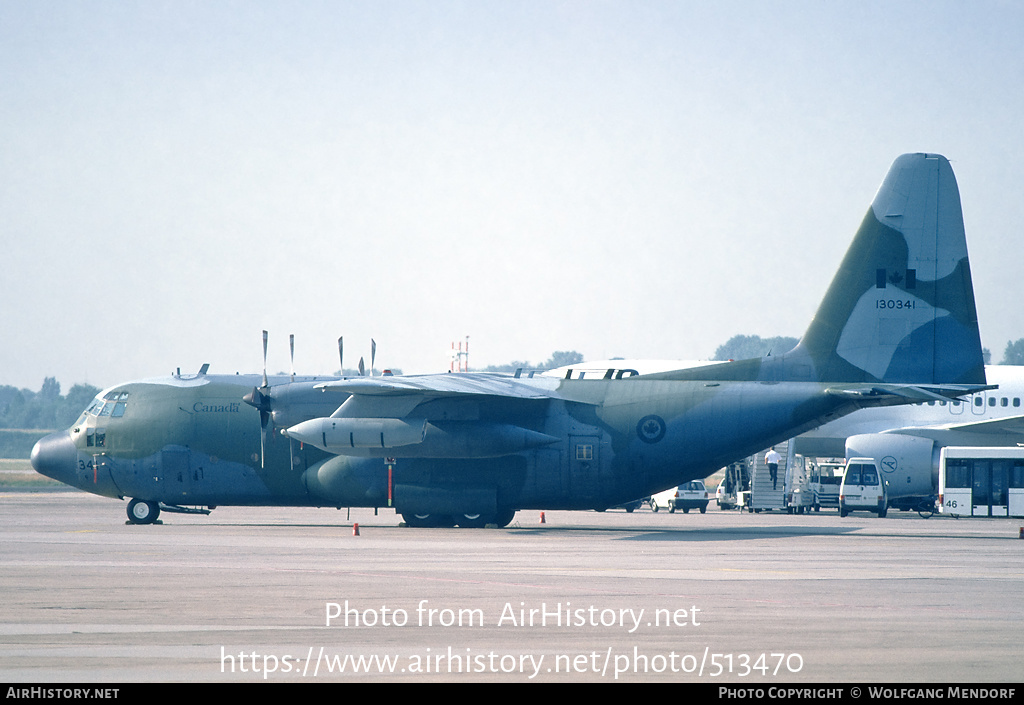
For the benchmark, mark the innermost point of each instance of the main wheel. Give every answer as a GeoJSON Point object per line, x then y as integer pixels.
{"type": "Point", "coordinates": [426, 521]}
{"type": "Point", "coordinates": [472, 521]}
{"type": "Point", "coordinates": [142, 512]}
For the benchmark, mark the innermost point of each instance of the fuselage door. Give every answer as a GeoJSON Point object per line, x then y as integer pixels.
{"type": "Point", "coordinates": [978, 402]}
{"type": "Point", "coordinates": [584, 469]}
{"type": "Point", "coordinates": [177, 472]}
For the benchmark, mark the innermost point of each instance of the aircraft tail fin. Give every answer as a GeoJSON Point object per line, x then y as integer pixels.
{"type": "Point", "coordinates": [901, 307]}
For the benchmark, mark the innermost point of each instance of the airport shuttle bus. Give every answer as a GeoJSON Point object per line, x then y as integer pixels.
{"type": "Point", "coordinates": [982, 482]}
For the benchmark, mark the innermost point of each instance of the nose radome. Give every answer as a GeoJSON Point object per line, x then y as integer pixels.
{"type": "Point", "coordinates": [55, 456]}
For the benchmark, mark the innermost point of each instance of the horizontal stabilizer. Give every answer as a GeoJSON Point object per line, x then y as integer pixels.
{"type": "Point", "coordinates": [906, 393]}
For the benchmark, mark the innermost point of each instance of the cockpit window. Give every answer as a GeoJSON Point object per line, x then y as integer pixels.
{"type": "Point", "coordinates": [112, 404]}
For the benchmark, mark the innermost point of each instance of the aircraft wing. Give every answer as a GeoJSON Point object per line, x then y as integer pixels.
{"type": "Point", "coordinates": [372, 420]}
{"type": "Point", "coordinates": [1007, 424]}
{"type": "Point", "coordinates": [484, 384]}
{"type": "Point", "coordinates": [480, 384]}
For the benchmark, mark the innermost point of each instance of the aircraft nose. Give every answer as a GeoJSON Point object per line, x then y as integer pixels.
{"type": "Point", "coordinates": [55, 456]}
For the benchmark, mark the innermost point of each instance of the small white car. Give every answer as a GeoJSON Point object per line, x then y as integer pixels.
{"type": "Point", "coordinates": [689, 495]}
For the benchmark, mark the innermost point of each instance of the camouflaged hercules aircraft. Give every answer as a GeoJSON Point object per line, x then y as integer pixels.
{"type": "Point", "coordinates": [898, 325]}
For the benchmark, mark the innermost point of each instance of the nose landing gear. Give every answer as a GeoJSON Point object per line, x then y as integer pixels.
{"type": "Point", "coordinates": [142, 512]}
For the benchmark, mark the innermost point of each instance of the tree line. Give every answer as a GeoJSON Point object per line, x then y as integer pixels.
{"type": "Point", "coordinates": [559, 358]}
{"type": "Point", "coordinates": [45, 409]}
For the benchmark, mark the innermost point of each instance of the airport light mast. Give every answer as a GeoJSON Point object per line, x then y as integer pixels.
{"type": "Point", "coordinates": [460, 359]}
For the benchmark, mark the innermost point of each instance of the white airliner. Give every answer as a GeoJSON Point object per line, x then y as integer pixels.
{"type": "Point", "coordinates": [907, 440]}
{"type": "Point", "coordinates": [620, 367]}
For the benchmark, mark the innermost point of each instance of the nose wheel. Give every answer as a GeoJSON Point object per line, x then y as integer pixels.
{"type": "Point", "coordinates": [142, 512]}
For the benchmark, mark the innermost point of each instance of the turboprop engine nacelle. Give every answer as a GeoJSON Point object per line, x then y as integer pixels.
{"type": "Point", "coordinates": [910, 464]}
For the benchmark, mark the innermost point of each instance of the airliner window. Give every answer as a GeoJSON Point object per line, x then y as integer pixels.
{"type": "Point", "coordinates": [119, 408]}
{"type": "Point", "coordinates": [992, 401]}
{"type": "Point", "coordinates": [1004, 402]}
{"type": "Point", "coordinates": [584, 452]}
{"type": "Point", "coordinates": [107, 408]}
{"type": "Point", "coordinates": [1016, 401]}
{"type": "Point", "coordinates": [977, 401]}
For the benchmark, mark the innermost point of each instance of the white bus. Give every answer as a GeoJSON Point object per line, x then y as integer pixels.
{"type": "Point", "coordinates": [981, 482]}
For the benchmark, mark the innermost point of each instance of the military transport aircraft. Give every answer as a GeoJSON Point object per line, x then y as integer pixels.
{"type": "Point", "coordinates": [897, 325]}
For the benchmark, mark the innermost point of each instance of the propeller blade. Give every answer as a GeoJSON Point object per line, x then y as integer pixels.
{"type": "Point", "coordinates": [373, 354]}
{"type": "Point", "coordinates": [264, 421]}
{"type": "Point", "coordinates": [291, 344]}
{"type": "Point", "coordinates": [261, 400]}
{"type": "Point", "coordinates": [341, 355]}
{"type": "Point", "coordinates": [264, 358]}
{"type": "Point", "coordinates": [362, 368]}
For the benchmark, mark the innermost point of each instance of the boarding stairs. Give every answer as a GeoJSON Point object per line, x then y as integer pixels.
{"type": "Point", "coordinates": [762, 496]}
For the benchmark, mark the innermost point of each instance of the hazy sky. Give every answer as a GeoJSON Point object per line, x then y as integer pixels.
{"type": "Point", "coordinates": [639, 179]}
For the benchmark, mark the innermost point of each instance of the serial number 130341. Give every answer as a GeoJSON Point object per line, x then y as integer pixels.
{"type": "Point", "coordinates": [904, 304]}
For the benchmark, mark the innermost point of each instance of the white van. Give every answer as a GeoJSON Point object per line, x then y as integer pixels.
{"type": "Point", "coordinates": [863, 488]}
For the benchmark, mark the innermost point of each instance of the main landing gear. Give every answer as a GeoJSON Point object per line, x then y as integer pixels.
{"type": "Point", "coordinates": [468, 521]}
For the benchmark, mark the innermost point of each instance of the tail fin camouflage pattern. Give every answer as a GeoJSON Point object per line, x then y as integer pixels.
{"type": "Point", "coordinates": [901, 307]}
